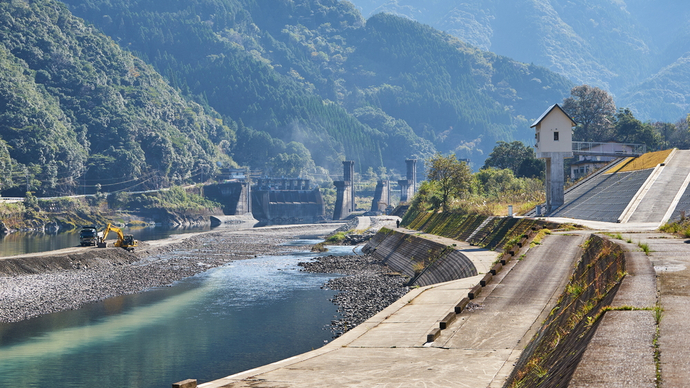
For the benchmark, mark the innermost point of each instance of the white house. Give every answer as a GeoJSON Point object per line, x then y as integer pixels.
{"type": "Point", "coordinates": [554, 131]}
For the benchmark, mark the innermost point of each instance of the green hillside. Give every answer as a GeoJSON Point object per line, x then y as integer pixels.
{"type": "Point", "coordinates": [316, 73]}
{"type": "Point", "coordinates": [77, 111]}
{"type": "Point", "coordinates": [632, 48]}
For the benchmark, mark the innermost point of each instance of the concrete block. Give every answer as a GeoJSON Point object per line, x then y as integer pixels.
{"type": "Point", "coordinates": [431, 337]}
{"type": "Point", "coordinates": [496, 268]}
{"type": "Point", "coordinates": [506, 258]}
{"type": "Point", "coordinates": [474, 291]}
{"type": "Point", "coordinates": [189, 383]}
{"type": "Point", "coordinates": [486, 279]}
{"type": "Point", "coordinates": [447, 320]}
{"type": "Point", "coordinates": [461, 305]}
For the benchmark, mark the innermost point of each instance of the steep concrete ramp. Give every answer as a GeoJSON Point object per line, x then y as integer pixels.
{"type": "Point", "coordinates": [659, 199]}
{"type": "Point", "coordinates": [603, 198]}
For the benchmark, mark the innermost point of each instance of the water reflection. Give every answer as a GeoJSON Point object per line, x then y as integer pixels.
{"type": "Point", "coordinates": [233, 318]}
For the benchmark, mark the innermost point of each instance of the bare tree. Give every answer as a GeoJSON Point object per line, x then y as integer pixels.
{"type": "Point", "coordinates": [593, 110]}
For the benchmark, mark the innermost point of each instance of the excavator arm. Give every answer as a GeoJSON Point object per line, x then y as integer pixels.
{"type": "Point", "coordinates": [124, 241]}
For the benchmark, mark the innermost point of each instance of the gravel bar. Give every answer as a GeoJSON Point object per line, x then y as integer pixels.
{"type": "Point", "coordinates": [367, 288]}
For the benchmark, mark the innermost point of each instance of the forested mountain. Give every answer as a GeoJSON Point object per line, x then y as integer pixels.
{"type": "Point", "coordinates": [635, 49]}
{"type": "Point", "coordinates": [147, 93]}
{"type": "Point", "coordinates": [76, 110]}
{"type": "Point", "coordinates": [314, 72]}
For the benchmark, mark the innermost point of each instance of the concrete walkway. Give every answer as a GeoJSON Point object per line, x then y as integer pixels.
{"type": "Point", "coordinates": [478, 350]}
{"type": "Point", "coordinates": [671, 260]}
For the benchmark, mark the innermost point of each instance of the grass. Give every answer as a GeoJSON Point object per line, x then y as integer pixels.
{"type": "Point", "coordinates": [540, 236]}
{"type": "Point", "coordinates": [644, 247]}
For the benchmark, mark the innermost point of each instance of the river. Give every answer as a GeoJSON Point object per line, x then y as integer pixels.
{"type": "Point", "coordinates": [229, 319]}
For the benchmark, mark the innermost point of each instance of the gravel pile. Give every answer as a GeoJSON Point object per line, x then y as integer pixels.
{"type": "Point", "coordinates": [368, 287]}
{"type": "Point", "coordinates": [95, 274]}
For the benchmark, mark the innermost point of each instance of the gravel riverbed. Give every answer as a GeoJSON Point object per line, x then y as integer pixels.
{"type": "Point", "coordinates": [33, 285]}
{"type": "Point", "coordinates": [368, 287]}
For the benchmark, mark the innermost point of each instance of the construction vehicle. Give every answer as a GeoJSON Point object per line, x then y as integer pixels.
{"type": "Point", "coordinates": [123, 241]}
{"type": "Point", "coordinates": [89, 235]}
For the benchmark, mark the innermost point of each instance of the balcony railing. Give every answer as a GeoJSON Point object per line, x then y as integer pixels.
{"type": "Point", "coordinates": [608, 149]}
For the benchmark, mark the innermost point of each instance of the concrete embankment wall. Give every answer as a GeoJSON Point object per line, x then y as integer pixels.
{"type": "Point", "coordinates": [553, 354]}
{"type": "Point", "coordinates": [87, 258]}
{"type": "Point", "coordinates": [484, 231]}
{"type": "Point", "coordinates": [424, 261]}
{"type": "Point", "coordinates": [428, 262]}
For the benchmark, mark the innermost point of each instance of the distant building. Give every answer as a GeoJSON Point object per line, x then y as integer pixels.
{"type": "Point", "coordinates": [608, 152]}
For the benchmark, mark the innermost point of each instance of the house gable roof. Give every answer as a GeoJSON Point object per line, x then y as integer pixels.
{"type": "Point", "coordinates": [546, 113]}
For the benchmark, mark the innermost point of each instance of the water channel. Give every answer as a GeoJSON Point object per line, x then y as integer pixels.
{"type": "Point", "coordinates": [226, 320]}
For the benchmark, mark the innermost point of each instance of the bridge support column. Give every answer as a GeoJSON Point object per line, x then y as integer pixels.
{"type": "Point", "coordinates": [345, 197]}
{"type": "Point", "coordinates": [409, 186]}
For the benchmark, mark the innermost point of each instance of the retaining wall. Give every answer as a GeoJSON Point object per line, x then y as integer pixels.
{"type": "Point", "coordinates": [488, 232]}
{"type": "Point", "coordinates": [425, 262]}
{"type": "Point", "coordinates": [553, 354]}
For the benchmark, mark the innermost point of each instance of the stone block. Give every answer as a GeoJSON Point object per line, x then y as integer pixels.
{"type": "Point", "coordinates": [474, 292]}
{"type": "Point", "coordinates": [461, 305]}
{"type": "Point", "coordinates": [446, 321]}
{"type": "Point", "coordinates": [431, 337]}
{"type": "Point", "coordinates": [486, 279]}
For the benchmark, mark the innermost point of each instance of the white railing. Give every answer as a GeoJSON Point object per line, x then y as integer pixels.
{"type": "Point", "coordinates": [608, 149]}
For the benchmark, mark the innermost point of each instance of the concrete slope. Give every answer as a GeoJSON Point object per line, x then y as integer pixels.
{"type": "Point", "coordinates": [478, 350]}
{"type": "Point", "coordinates": [604, 197]}
{"type": "Point", "coordinates": [659, 199]}
{"type": "Point", "coordinates": [510, 312]}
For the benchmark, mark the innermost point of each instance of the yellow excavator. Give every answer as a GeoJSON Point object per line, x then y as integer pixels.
{"type": "Point", "coordinates": [123, 241]}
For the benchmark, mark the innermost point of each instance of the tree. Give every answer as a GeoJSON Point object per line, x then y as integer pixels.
{"type": "Point", "coordinates": [631, 130]}
{"type": "Point", "coordinates": [592, 109]}
{"type": "Point", "coordinates": [517, 157]}
{"type": "Point", "coordinates": [452, 176]}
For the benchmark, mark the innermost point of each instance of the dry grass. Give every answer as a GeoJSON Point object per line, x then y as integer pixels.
{"type": "Point", "coordinates": [648, 160]}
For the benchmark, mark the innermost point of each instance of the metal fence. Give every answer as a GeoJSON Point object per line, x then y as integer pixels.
{"type": "Point", "coordinates": [608, 149]}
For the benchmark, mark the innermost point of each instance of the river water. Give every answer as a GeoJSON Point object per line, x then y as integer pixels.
{"type": "Point", "coordinates": [226, 320]}
{"type": "Point", "coordinates": [29, 242]}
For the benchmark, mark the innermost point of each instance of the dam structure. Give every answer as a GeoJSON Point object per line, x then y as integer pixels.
{"type": "Point", "coordinates": [269, 200]}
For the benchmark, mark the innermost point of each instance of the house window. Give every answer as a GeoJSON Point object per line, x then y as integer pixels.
{"type": "Point", "coordinates": [555, 136]}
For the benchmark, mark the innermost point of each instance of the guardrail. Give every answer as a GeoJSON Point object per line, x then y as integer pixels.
{"type": "Point", "coordinates": [608, 149]}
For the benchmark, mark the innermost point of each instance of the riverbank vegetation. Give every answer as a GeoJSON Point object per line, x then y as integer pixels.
{"type": "Point", "coordinates": [487, 192]}
{"type": "Point", "coordinates": [174, 207]}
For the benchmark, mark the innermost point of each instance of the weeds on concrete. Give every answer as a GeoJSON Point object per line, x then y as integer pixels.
{"type": "Point", "coordinates": [540, 236]}
{"type": "Point", "coordinates": [644, 247]}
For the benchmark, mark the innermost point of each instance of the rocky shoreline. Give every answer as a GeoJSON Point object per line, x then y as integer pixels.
{"type": "Point", "coordinates": [35, 285]}
{"type": "Point", "coordinates": [368, 287]}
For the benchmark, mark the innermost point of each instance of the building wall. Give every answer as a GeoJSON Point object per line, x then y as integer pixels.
{"type": "Point", "coordinates": [556, 121]}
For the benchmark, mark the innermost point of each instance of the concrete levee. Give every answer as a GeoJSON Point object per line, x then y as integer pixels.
{"type": "Point", "coordinates": [553, 355]}
{"type": "Point", "coordinates": [424, 261]}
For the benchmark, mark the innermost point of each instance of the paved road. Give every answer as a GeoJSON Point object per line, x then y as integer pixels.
{"type": "Point", "coordinates": [478, 350]}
